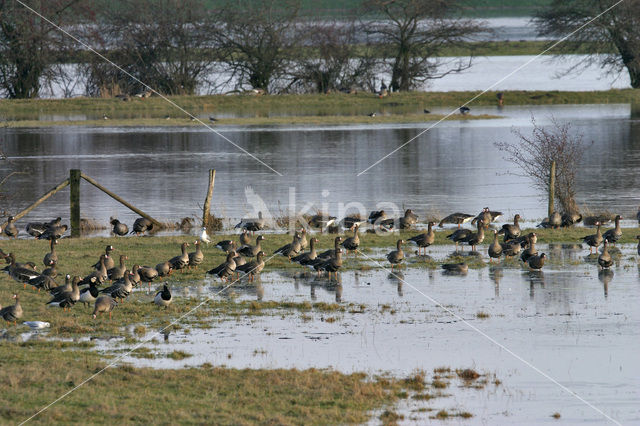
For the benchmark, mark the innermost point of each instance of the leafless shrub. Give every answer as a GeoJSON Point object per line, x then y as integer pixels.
{"type": "Point", "coordinates": [535, 153]}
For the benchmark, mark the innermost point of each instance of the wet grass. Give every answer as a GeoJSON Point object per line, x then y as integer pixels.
{"type": "Point", "coordinates": [36, 373]}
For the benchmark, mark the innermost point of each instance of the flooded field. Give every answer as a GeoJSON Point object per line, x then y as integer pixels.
{"type": "Point", "coordinates": [571, 322]}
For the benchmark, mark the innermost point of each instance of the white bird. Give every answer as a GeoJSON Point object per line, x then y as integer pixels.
{"type": "Point", "coordinates": [36, 325]}
{"type": "Point", "coordinates": [204, 237]}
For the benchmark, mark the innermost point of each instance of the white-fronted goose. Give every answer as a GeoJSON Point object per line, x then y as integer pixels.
{"type": "Point", "coordinates": [119, 228]}
{"type": "Point", "coordinates": [142, 225]}
{"type": "Point", "coordinates": [613, 235]}
{"type": "Point", "coordinates": [570, 219]}
{"type": "Point", "coordinates": [52, 256]}
{"type": "Point", "coordinates": [62, 288]}
{"type": "Point", "coordinates": [245, 239]}
{"type": "Point", "coordinates": [593, 220]}
{"type": "Point", "coordinates": [251, 251]}
{"type": "Point", "coordinates": [11, 230]}
{"type": "Point", "coordinates": [425, 239]}
{"type": "Point", "coordinates": [98, 276]}
{"type": "Point", "coordinates": [305, 258]}
{"type": "Point", "coordinates": [352, 243]}
{"type": "Point", "coordinates": [349, 222]}
{"type": "Point", "coordinates": [304, 243]}
{"type": "Point", "coordinates": [536, 262]}
{"type": "Point", "coordinates": [376, 216]}
{"type": "Point", "coordinates": [511, 248]}
{"type": "Point", "coordinates": [104, 304]}
{"type": "Point", "coordinates": [53, 232]}
{"type": "Point", "coordinates": [51, 271]}
{"type": "Point", "coordinates": [163, 297]}
{"type": "Point", "coordinates": [227, 245]}
{"type": "Point", "coordinates": [89, 295]}
{"type": "Point", "coordinates": [254, 267]}
{"type": "Point", "coordinates": [196, 257]}
{"type": "Point", "coordinates": [164, 269]}
{"type": "Point", "coordinates": [225, 269]}
{"type": "Point", "coordinates": [20, 273]}
{"type": "Point", "coordinates": [554, 221]}
{"type": "Point", "coordinates": [117, 272]}
{"type": "Point", "coordinates": [108, 260]}
{"type": "Point", "coordinates": [530, 251]}
{"type": "Point", "coordinates": [121, 288]}
{"type": "Point", "coordinates": [321, 221]}
{"type": "Point", "coordinates": [510, 231]}
{"type": "Point", "coordinates": [455, 268]}
{"type": "Point", "coordinates": [147, 274]}
{"type": "Point", "coordinates": [291, 249]}
{"type": "Point", "coordinates": [181, 261]}
{"type": "Point", "coordinates": [331, 265]}
{"type": "Point", "coordinates": [604, 260]}
{"type": "Point", "coordinates": [396, 256]}
{"type": "Point", "coordinates": [67, 299]}
{"type": "Point", "coordinates": [484, 216]}
{"type": "Point", "coordinates": [252, 224]}
{"type": "Point", "coordinates": [475, 238]}
{"type": "Point", "coordinates": [12, 313]}
{"type": "Point", "coordinates": [330, 253]}
{"type": "Point", "coordinates": [495, 249]}
{"type": "Point", "coordinates": [456, 218]}
{"type": "Point", "coordinates": [459, 235]}
{"type": "Point", "coordinates": [594, 240]}
{"type": "Point", "coordinates": [35, 229]}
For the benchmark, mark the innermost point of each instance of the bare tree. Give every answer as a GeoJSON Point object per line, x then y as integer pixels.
{"type": "Point", "coordinates": [29, 45]}
{"type": "Point", "coordinates": [534, 154]}
{"type": "Point", "coordinates": [612, 40]}
{"type": "Point", "coordinates": [414, 32]}
{"type": "Point", "coordinates": [257, 39]}
{"type": "Point", "coordinates": [166, 44]}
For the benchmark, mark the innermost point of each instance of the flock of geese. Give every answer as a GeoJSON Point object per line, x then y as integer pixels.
{"type": "Point", "coordinates": [109, 282]}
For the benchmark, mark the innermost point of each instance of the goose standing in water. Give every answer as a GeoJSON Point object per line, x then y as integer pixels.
{"type": "Point", "coordinates": [254, 267]}
{"type": "Point", "coordinates": [251, 251]}
{"type": "Point", "coordinates": [604, 260]}
{"type": "Point", "coordinates": [306, 258]}
{"type": "Point", "coordinates": [225, 269]}
{"type": "Point", "coordinates": [331, 265]}
{"type": "Point", "coordinates": [352, 243]}
{"type": "Point", "coordinates": [456, 218]}
{"type": "Point", "coordinates": [291, 249]}
{"type": "Point", "coordinates": [425, 239]}
{"type": "Point", "coordinates": [511, 231]}
{"type": "Point", "coordinates": [163, 297]}
{"type": "Point", "coordinates": [594, 240]}
{"type": "Point", "coordinates": [459, 236]}
{"type": "Point", "coordinates": [475, 238]}
{"type": "Point", "coordinates": [495, 249]}
{"type": "Point", "coordinates": [331, 252]}
{"type": "Point", "coordinates": [119, 228]}
{"type": "Point", "coordinates": [397, 256]}
{"type": "Point", "coordinates": [613, 235]}
{"type": "Point", "coordinates": [536, 262]}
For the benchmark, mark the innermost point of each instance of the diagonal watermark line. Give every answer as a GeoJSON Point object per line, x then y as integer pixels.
{"type": "Point", "coordinates": [488, 89]}
{"type": "Point", "coordinates": [92, 50]}
{"type": "Point", "coordinates": [494, 341]}
{"type": "Point", "coordinates": [119, 358]}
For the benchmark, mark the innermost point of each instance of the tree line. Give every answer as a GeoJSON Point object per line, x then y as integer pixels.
{"type": "Point", "coordinates": [176, 46]}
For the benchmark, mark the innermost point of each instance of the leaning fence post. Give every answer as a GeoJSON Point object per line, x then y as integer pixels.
{"type": "Point", "coordinates": [207, 201]}
{"type": "Point", "coordinates": [552, 188]}
{"type": "Point", "coordinates": [74, 201]}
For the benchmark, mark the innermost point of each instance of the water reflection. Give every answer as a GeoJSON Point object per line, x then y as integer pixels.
{"type": "Point", "coordinates": [605, 276]}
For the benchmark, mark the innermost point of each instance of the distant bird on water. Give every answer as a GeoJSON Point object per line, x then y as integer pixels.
{"type": "Point", "coordinates": [212, 119]}
{"type": "Point", "coordinates": [426, 111]}
{"type": "Point", "coordinates": [464, 110]}
{"type": "Point", "coordinates": [373, 114]}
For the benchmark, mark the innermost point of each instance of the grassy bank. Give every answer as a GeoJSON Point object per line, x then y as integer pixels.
{"type": "Point", "coordinates": [281, 109]}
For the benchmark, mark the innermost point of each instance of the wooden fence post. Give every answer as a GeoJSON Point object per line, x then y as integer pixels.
{"type": "Point", "coordinates": [207, 201]}
{"type": "Point", "coordinates": [552, 188]}
{"type": "Point", "coordinates": [74, 201]}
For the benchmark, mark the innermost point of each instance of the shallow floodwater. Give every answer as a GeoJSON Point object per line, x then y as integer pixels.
{"type": "Point", "coordinates": [578, 326]}
{"type": "Point", "coordinates": [452, 167]}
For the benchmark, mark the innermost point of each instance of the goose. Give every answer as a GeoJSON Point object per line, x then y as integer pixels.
{"type": "Point", "coordinates": [306, 258]}
{"type": "Point", "coordinates": [594, 240]}
{"type": "Point", "coordinates": [511, 248]}
{"type": "Point", "coordinates": [570, 219]}
{"type": "Point", "coordinates": [12, 313]}
{"type": "Point", "coordinates": [395, 257]}
{"type": "Point", "coordinates": [254, 267]}
{"type": "Point", "coordinates": [464, 110]}
{"type": "Point", "coordinates": [164, 269]}
{"type": "Point", "coordinates": [554, 221]}
{"type": "Point", "coordinates": [291, 249]}
{"type": "Point", "coordinates": [163, 297]}
{"type": "Point", "coordinates": [228, 245]}
{"type": "Point", "coordinates": [117, 272]}
{"type": "Point", "coordinates": [53, 232]}
{"type": "Point", "coordinates": [89, 294]}
{"type": "Point", "coordinates": [142, 225]}
{"type": "Point", "coordinates": [375, 216]}
{"type": "Point", "coordinates": [62, 288]}
{"type": "Point", "coordinates": [613, 235]}
{"type": "Point", "coordinates": [459, 235]}
{"type": "Point", "coordinates": [51, 257]}
{"type": "Point", "coordinates": [44, 282]}
{"type": "Point", "coordinates": [475, 238]}
{"type": "Point", "coordinates": [425, 239]}
{"type": "Point", "coordinates": [510, 231]}
{"type": "Point", "coordinates": [225, 269]}
{"type": "Point", "coordinates": [51, 271]}
{"type": "Point", "coordinates": [536, 262]}
{"type": "Point", "coordinates": [119, 228]}
{"type": "Point", "coordinates": [11, 230]}
{"type": "Point", "coordinates": [252, 224]}
{"type": "Point", "coordinates": [121, 288]}
{"type": "Point", "coordinates": [331, 265]}
{"type": "Point", "coordinates": [408, 220]}
{"type": "Point", "coordinates": [251, 251]}
{"type": "Point", "coordinates": [604, 260]}
{"type": "Point", "coordinates": [67, 299]}
{"type": "Point", "coordinates": [35, 229]}
{"type": "Point", "coordinates": [108, 260]}
{"type": "Point", "coordinates": [196, 257]}
{"type": "Point", "coordinates": [349, 222]}
{"type": "Point", "coordinates": [19, 273]}
{"type": "Point", "coordinates": [455, 268]}
{"type": "Point", "coordinates": [135, 275]}
{"type": "Point", "coordinates": [530, 251]}
{"type": "Point", "coordinates": [181, 261]}
{"type": "Point", "coordinates": [352, 243]}
{"type": "Point", "coordinates": [495, 249]}
{"type": "Point", "coordinates": [321, 221]}
{"type": "Point", "coordinates": [147, 274]}
{"type": "Point", "coordinates": [245, 239]}
{"type": "Point", "coordinates": [484, 216]}
{"type": "Point", "coordinates": [304, 243]}
{"type": "Point", "coordinates": [330, 253]}
{"type": "Point", "coordinates": [98, 276]}
{"type": "Point", "coordinates": [456, 218]}
{"type": "Point", "coordinates": [104, 304]}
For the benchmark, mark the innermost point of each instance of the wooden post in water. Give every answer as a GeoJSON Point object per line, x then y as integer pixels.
{"type": "Point", "coordinates": [207, 201]}
{"type": "Point", "coordinates": [74, 201]}
{"type": "Point", "coordinates": [552, 188]}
